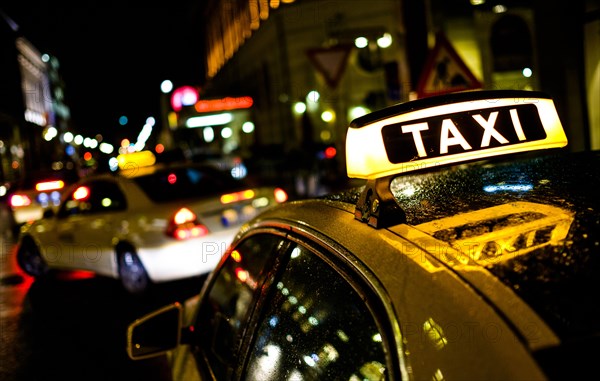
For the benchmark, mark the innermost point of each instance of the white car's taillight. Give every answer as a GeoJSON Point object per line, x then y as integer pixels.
{"type": "Point", "coordinates": [17, 200]}
{"type": "Point", "coordinates": [280, 195]}
{"type": "Point", "coordinates": [184, 225]}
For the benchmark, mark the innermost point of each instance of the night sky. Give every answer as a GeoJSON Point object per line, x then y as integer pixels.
{"type": "Point", "coordinates": [113, 56]}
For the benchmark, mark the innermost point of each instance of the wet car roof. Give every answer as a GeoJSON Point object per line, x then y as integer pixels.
{"type": "Point", "coordinates": [544, 178]}
{"type": "Point", "coordinates": [560, 282]}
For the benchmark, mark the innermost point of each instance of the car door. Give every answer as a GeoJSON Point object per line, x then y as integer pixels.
{"type": "Point", "coordinates": [85, 224]}
{"type": "Point", "coordinates": [280, 308]}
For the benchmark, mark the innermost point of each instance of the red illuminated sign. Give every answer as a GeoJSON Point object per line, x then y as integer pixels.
{"type": "Point", "coordinates": [224, 104]}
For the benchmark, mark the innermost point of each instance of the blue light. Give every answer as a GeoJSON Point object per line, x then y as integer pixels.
{"type": "Point", "coordinates": [508, 188]}
{"type": "Point", "coordinates": [239, 171]}
{"type": "Point", "coordinates": [224, 221]}
{"type": "Point", "coordinates": [43, 199]}
{"type": "Point", "coordinates": [55, 197]}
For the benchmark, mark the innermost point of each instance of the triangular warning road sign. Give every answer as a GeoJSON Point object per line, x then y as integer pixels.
{"type": "Point", "coordinates": [445, 72]}
{"type": "Point", "coordinates": [331, 62]}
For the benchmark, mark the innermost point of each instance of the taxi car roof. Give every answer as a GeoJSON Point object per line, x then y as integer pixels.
{"type": "Point", "coordinates": [560, 283]}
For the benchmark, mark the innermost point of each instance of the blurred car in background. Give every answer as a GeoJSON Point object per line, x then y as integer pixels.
{"type": "Point", "coordinates": [145, 224]}
{"type": "Point", "coordinates": [29, 198]}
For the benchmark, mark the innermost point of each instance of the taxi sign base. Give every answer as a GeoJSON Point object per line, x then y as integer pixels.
{"type": "Point", "coordinates": [377, 205]}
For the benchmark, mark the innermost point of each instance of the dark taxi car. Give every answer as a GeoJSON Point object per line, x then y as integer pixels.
{"type": "Point", "coordinates": [471, 252]}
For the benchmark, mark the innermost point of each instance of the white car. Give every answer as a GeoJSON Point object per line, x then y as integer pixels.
{"type": "Point", "coordinates": [155, 224]}
{"type": "Point", "coordinates": [37, 192]}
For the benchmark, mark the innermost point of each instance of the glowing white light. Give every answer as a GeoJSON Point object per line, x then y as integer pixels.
{"type": "Point", "coordinates": [106, 148]}
{"type": "Point", "coordinates": [361, 42]}
{"type": "Point", "coordinates": [527, 72]}
{"type": "Point", "coordinates": [248, 127]}
{"type": "Point", "coordinates": [209, 134]}
{"type": "Point", "coordinates": [113, 164]}
{"type": "Point", "coordinates": [385, 41]}
{"type": "Point", "coordinates": [408, 190]}
{"type": "Point", "coordinates": [50, 133]}
{"type": "Point", "coordinates": [189, 98]}
{"type": "Point", "coordinates": [150, 121]}
{"type": "Point", "coordinates": [78, 139]}
{"type": "Point", "coordinates": [166, 86]}
{"type": "Point", "coordinates": [296, 252]}
{"type": "Point", "coordinates": [499, 8]}
{"type": "Point", "coordinates": [358, 111]}
{"type": "Point", "coordinates": [226, 133]}
{"type": "Point", "coordinates": [209, 120]}
{"type": "Point", "coordinates": [266, 364]}
{"type": "Point", "coordinates": [300, 107]}
{"type": "Point", "coordinates": [309, 361]}
{"type": "Point", "coordinates": [68, 137]}
{"type": "Point", "coordinates": [327, 116]}
{"type": "Point", "coordinates": [313, 96]}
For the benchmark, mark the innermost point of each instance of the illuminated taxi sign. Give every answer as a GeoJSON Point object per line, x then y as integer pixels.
{"type": "Point", "coordinates": [135, 160]}
{"type": "Point", "coordinates": [451, 129]}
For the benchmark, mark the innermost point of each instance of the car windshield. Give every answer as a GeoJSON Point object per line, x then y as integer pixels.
{"type": "Point", "coordinates": [187, 182]}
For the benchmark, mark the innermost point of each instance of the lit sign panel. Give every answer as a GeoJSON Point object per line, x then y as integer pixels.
{"type": "Point", "coordinates": [224, 104]}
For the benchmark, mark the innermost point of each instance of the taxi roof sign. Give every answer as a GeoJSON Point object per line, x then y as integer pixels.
{"type": "Point", "coordinates": [131, 162]}
{"type": "Point", "coordinates": [449, 129]}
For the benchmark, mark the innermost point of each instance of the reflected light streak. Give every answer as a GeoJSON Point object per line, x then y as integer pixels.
{"type": "Point", "coordinates": [435, 334]}
{"type": "Point", "coordinates": [267, 364]}
{"type": "Point", "coordinates": [508, 187]}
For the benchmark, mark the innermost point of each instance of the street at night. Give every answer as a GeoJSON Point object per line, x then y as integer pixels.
{"type": "Point", "coordinates": [72, 325]}
{"type": "Point", "coordinates": [300, 190]}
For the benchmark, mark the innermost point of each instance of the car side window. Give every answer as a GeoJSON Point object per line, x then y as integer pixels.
{"type": "Point", "coordinates": [227, 307]}
{"type": "Point", "coordinates": [93, 197]}
{"type": "Point", "coordinates": [316, 326]}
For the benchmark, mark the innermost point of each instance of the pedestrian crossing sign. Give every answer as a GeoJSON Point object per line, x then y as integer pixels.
{"type": "Point", "coordinates": [445, 72]}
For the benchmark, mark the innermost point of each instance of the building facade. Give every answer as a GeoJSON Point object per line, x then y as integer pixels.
{"type": "Point", "coordinates": [312, 66]}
